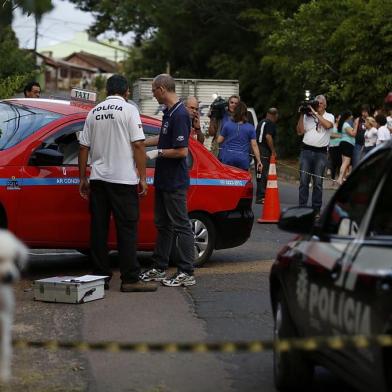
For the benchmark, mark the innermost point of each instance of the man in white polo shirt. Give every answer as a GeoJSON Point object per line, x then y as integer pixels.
{"type": "Point", "coordinates": [113, 136]}
{"type": "Point", "coordinates": [316, 128]}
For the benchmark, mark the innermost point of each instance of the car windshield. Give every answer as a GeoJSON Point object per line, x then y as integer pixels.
{"type": "Point", "coordinates": [17, 122]}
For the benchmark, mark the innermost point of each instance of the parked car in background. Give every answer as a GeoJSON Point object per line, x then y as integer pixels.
{"type": "Point", "coordinates": [335, 278]}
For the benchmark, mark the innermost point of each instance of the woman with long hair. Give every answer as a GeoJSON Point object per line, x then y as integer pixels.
{"type": "Point", "coordinates": [345, 126]}
{"type": "Point", "coordinates": [236, 138]}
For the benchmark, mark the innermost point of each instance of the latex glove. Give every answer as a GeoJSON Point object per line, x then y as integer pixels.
{"type": "Point", "coordinates": [152, 154]}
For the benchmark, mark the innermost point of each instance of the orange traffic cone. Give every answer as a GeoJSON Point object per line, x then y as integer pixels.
{"type": "Point", "coordinates": [271, 210]}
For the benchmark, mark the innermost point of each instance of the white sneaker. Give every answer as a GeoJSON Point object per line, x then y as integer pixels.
{"type": "Point", "coordinates": [153, 275]}
{"type": "Point", "coordinates": [179, 279]}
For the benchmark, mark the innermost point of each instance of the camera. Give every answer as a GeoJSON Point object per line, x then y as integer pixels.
{"type": "Point", "coordinates": [218, 108]}
{"type": "Point", "coordinates": [304, 107]}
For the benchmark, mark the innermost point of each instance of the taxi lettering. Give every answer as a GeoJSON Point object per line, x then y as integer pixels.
{"type": "Point", "coordinates": [82, 95]}
{"type": "Point", "coordinates": [71, 181]}
{"type": "Point", "coordinates": [13, 184]}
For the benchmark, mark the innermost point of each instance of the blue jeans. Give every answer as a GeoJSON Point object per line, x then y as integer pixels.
{"type": "Point", "coordinates": [315, 163]}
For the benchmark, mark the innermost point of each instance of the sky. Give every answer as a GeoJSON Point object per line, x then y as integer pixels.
{"type": "Point", "coordinates": [56, 26]}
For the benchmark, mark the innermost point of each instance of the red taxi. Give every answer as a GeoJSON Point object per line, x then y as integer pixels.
{"type": "Point", "coordinates": [39, 194]}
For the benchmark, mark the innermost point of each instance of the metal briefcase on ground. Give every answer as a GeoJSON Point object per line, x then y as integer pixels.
{"type": "Point", "coordinates": [70, 289]}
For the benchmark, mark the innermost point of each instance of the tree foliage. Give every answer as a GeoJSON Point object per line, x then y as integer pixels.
{"type": "Point", "coordinates": [16, 65]}
{"type": "Point", "coordinates": [341, 48]}
{"type": "Point", "coordinates": [36, 7]}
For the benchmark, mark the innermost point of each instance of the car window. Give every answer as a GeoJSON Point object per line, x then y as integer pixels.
{"type": "Point", "coordinates": [17, 122]}
{"type": "Point", "coordinates": [151, 130]}
{"type": "Point", "coordinates": [381, 221]}
{"type": "Point", "coordinates": [151, 162]}
{"type": "Point", "coordinates": [353, 198]}
{"type": "Point", "coordinates": [66, 141]}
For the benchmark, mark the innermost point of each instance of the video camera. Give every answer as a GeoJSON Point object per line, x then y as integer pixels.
{"type": "Point", "coordinates": [304, 108]}
{"type": "Point", "coordinates": [218, 108]}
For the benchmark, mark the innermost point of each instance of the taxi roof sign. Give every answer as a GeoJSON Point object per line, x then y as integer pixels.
{"type": "Point", "coordinates": [81, 95]}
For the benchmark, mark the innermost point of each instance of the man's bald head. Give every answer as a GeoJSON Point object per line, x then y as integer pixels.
{"type": "Point", "coordinates": [192, 105]}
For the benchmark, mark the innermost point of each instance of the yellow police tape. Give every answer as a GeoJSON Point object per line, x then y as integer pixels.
{"type": "Point", "coordinates": [281, 345]}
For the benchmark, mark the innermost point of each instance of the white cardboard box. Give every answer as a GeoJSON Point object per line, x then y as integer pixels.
{"type": "Point", "coordinates": [70, 289]}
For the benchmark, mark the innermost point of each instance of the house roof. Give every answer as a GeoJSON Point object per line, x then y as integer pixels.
{"type": "Point", "coordinates": [82, 42]}
{"type": "Point", "coordinates": [103, 64]}
{"type": "Point", "coordinates": [69, 64]}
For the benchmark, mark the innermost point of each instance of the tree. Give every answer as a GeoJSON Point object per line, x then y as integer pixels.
{"type": "Point", "coordinates": [36, 7]}
{"type": "Point", "coordinates": [16, 67]}
{"type": "Point", "coordinates": [339, 48]}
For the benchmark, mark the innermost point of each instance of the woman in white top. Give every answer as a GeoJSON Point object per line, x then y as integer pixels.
{"type": "Point", "coordinates": [370, 134]}
{"type": "Point", "coordinates": [383, 134]}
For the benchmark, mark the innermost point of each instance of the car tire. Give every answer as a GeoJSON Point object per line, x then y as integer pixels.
{"type": "Point", "coordinates": [293, 371]}
{"type": "Point", "coordinates": [204, 233]}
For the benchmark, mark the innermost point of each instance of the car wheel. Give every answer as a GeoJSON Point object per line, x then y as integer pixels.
{"type": "Point", "coordinates": [204, 232]}
{"type": "Point", "coordinates": [293, 371]}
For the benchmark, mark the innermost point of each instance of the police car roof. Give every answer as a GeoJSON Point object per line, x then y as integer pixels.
{"type": "Point", "coordinates": [64, 107]}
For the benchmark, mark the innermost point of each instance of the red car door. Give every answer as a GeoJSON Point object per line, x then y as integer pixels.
{"type": "Point", "coordinates": [56, 213]}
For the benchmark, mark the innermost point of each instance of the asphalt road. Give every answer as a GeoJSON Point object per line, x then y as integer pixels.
{"type": "Point", "coordinates": [229, 302]}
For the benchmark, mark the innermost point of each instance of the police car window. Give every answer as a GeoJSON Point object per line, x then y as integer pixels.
{"type": "Point", "coordinates": [66, 141]}
{"type": "Point", "coordinates": [381, 222]}
{"type": "Point", "coordinates": [353, 198]}
{"type": "Point", "coordinates": [17, 122]}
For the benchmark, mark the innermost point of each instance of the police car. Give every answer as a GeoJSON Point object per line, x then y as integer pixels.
{"type": "Point", "coordinates": [335, 278]}
{"type": "Point", "coordinates": [39, 194]}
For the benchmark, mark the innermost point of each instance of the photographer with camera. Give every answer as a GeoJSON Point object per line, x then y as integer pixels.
{"type": "Point", "coordinates": [315, 124]}
{"type": "Point", "coordinates": [219, 115]}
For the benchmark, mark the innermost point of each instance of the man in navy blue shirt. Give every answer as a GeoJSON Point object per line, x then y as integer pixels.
{"type": "Point", "coordinates": [171, 181]}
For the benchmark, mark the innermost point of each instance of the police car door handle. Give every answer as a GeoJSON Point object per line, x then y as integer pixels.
{"type": "Point", "coordinates": [337, 269]}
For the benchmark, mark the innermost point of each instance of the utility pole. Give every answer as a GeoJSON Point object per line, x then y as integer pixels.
{"type": "Point", "coordinates": [35, 38]}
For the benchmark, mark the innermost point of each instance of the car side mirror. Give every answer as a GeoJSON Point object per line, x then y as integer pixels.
{"type": "Point", "coordinates": [298, 220]}
{"type": "Point", "coordinates": [46, 157]}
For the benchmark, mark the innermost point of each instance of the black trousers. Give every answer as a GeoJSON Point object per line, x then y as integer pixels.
{"type": "Point", "coordinates": [122, 201]}
{"type": "Point", "coordinates": [335, 160]}
{"type": "Point", "coordinates": [172, 221]}
{"type": "Point", "coordinates": [261, 183]}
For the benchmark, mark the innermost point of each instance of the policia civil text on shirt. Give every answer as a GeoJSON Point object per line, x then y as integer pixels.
{"type": "Point", "coordinates": [113, 137]}
{"type": "Point", "coordinates": [171, 182]}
